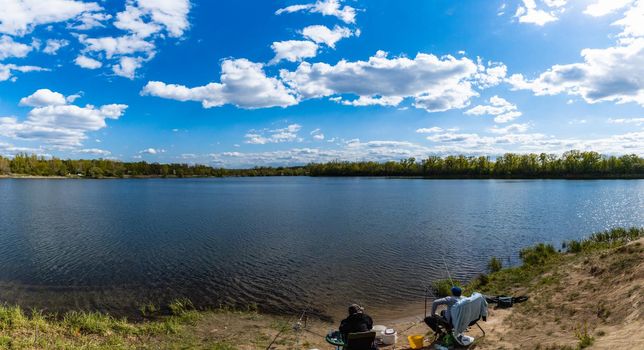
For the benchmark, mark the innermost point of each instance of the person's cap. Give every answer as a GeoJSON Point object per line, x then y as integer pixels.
{"type": "Point", "coordinates": [355, 308]}
{"type": "Point", "coordinates": [456, 291]}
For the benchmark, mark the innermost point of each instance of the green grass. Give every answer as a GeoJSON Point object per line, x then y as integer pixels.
{"type": "Point", "coordinates": [540, 259]}
{"type": "Point", "coordinates": [94, 330]}
{"type": "Point", "coordinates": [605, 239]}
{"type": "Point", "coordinates": [494, 265]}
{"type": "Point", "coordinates": [443, 288]}
{"type": "Point", "coordinates": [585, 339]}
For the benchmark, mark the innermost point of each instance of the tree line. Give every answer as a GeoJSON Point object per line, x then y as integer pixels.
{"type": "Point", "coordinates": [24, 164]}
{"type": "Point", "coordinates": [571, 164]}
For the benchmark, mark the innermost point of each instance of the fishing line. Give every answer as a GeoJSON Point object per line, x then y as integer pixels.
{"type": "Point", "coordinates": [296, 326]}
{"type": "Point", "coordinates": [447, 269]}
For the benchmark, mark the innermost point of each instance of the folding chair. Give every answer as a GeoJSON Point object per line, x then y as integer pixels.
{"type": "Point", "coordinates": [360, 341]}
{"type": "Point", "coordinates": [446, 328]}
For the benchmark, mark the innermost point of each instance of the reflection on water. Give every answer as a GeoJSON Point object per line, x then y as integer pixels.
{"type": "Point", "coordinates": [280, 243]}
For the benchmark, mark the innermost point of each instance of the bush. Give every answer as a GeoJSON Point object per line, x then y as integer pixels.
{"type": "Point", "coordinates": [443, 288]}
{"type": "Point", "coordinates": [88, 322]}
{"type": "Point", "coordinates": [606, 239]}
{"type": "Point", "coordinates": [180, 306]}
{"type": "Point", "coordinates": [494, 265]}
{"type": "Point", "coordinates": [11, 317]}
{"type": "Point", "coordinates": [537, 255]}
{"type": "Point", "coordinates": [585, 339]}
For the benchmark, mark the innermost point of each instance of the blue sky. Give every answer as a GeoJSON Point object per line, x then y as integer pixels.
{"type": "Point", "coordinates": [242, 83]}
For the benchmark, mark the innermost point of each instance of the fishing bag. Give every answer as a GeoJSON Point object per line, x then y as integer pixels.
{"type": "Point", "coordinates": [504, 302]}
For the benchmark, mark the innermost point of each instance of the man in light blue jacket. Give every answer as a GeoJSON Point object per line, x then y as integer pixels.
{"type": "Point", "coordinates": [434, 321]}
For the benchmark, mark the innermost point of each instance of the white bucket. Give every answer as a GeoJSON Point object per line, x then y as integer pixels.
{"type": "Point", "coordinates": [389, 337]}
{"type": "Point", "coordinates": [380, 330]}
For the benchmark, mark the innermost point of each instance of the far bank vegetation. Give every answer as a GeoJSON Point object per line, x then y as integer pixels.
{"type": "Point", "coordinates": [572, 164]}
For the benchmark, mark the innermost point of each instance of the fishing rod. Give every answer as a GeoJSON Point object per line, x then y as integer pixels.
{"type": "Point", "coordinates": [297, 326]}
{"type": "Point", "coordinates": [429, 290]}
{"type": "Point", "coordinates": [447, 269]}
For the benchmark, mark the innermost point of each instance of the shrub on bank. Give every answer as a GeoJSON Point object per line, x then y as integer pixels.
{"type": "Point", "coordinates": [605, 239]}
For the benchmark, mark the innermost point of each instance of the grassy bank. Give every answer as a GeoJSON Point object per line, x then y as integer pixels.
{"type": "Point", "coordinates": [586, 294]}
{"type": "Point", "coordinates": [21, 329]}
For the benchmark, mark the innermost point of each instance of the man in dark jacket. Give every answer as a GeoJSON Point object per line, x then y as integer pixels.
{"type": "Point", "coordinates": [357, 321]}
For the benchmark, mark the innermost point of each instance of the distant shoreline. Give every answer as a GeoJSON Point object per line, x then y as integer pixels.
{"type": "Point", "coordinates": [569, 165]}
{"type": "Point", "coordinates": [143, 177]}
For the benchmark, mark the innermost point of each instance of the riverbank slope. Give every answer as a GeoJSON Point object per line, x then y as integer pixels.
{"type": "Point", "coordinates": [590, 296]}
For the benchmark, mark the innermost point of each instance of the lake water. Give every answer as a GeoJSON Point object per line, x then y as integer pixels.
{"type": "Point", "coordinates": [280, 243]}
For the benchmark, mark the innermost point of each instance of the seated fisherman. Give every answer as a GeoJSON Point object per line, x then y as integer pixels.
{"type": "Point", "coordinates": [357, 321]}
{"type": "Point", "coordinates": [434, 320]}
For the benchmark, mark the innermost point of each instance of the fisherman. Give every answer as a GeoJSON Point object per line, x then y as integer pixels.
{"type": "Point", "coordinates": [434, 321]}
{"type": "Point", "coordinates": [357, 321]}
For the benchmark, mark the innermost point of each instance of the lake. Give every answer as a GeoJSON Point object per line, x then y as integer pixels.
{"type": "Point", "coordinates": [281, 243]}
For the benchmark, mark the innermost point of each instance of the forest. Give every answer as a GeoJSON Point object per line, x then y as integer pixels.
{"type": "Point", "coordinates": [571, 164]}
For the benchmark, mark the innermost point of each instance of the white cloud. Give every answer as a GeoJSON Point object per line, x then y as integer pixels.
{"type": "Point", "coordinates": [491, 75]}
{"type": "Point", "coordinates": [604, 7]}
{"type": "Point", "coordinates": [19, 17]}
{"type": "Point", "coordinates": [152, 151]}
{"type": "Point", "coordinates": [512, 128]}
{"type": "Point", "coordinates": [243, 84]}
{"type": "Point", "coordinates": [262, 137]}
{"type": "Point", "coordinates": [90, 20]}
{"type": "Point", "coordinates": [323, 35]}
{"type": "Point", "coordinates": [127, 67]}
{"type": "Point", "coordinates": [54, 122]}
{"type": "Point", "coordinates": [443, 144]}
{"type": "Point", "coordinates": [452, 137]}
{"type": "Point", "coordinates": [144, 18]}
{"type": "Point", "coordinates": [547, 12]}
{"type": "Point", "coordinates": [434, 84]}
{"type": "Point", "coordinates": [111, 46]}
{"type": "Point", "coordinates": [10, 48]}
{"type": "Point", "coordinates": [632, 23]}
{"type": "Point", "coordinates": [293, 50]}
{"type": "Point", "coordinates": [374, 101]}
{"type": "Point", "coordinates": [52, 46]}
{"type": "Point", "coordinates": [502, 110]}
{"type": "Point", "coordinates": [74, 97]}
{"type": "Point", "coordinates": [42, 98]}
{"type": "Point", "coordinates": [87, 63]}
{"type": "Point", "coordinates": [317, 134]}
{"type": "Point", "coordinates": [95, 151]}
{"type": "Point", "coordinates": [325, 7]}
{"type": "Point", "coordinates": [501, 10]}
{"type": "Point", "coordinates": [145, 22]}
{"type": "Point", "coordinates": [610, 74]}
{"type": "Point", "coordinates": [433, 129]}
{"type": "Point", "coordinates": [636, 121]}
{"type": "Point", "coordinates": [430, 82]}
{"type": "Point", "coordinates": [132, 19]}
{"type": "Point", "coordinates": [172, 15]}
{"type": "Point", "coordinates": [475, 144]}
{"type": "Point", "coordinates": [6, 70]}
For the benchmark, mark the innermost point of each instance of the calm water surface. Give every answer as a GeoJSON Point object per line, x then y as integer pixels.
{"type": "Point", "coordinates": [280, 243]}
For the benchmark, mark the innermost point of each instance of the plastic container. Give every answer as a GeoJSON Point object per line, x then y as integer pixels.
{"type": "Point", "coordinates": [416, 341]}
{"type": "Point", "coordinates": [380, 331]}
{"type": "Point", "coordinates": [389, 337]}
